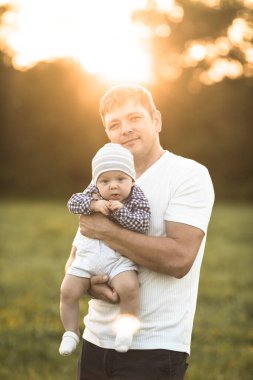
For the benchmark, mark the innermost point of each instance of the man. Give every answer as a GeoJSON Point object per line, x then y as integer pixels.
{"type": "Point", "coordinates": [180, 194]}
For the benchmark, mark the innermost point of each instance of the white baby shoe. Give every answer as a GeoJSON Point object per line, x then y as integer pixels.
{"type": "Point", "coordinates": [123, 341]}
{"type": "Point", "coordinates": [69, 343]}
{"type": "Point", "coordinates": [125, 327]}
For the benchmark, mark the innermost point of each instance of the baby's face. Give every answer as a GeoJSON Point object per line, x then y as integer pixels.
{"type": "Point", "coordinates": [114, 185]}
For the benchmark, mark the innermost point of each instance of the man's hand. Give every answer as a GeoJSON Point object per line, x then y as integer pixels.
{"type": "Point", "coordinates": [95, 226]}
{"type": "Point", "coordinates": [100, 289]}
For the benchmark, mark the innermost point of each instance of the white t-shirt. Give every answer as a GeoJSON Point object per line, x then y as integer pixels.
{"type": "Point", "coordinates": [178, 190]}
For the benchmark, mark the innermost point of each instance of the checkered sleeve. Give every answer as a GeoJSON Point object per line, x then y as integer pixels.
{"type": "Point", "coordinates": [135, 215]}
{"type": "Point", "coordinates": [79, 203]}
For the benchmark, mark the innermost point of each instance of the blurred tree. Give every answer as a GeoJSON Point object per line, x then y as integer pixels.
{"type": "Point", "coordinates": [50, 129]}
{"type": "Point", "coordinates": [213, 127]}
{"type": "Point", "coordinates": [213, 39]}
{"type": "Point", "coordinates": [50, 126]}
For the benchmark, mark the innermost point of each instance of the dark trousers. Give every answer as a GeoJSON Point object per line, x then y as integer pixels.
{"type": "Point", "coordinates": [105, 364]}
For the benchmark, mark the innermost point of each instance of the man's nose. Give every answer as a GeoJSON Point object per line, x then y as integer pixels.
{"type": "Point", "coordinates": [126, 128]}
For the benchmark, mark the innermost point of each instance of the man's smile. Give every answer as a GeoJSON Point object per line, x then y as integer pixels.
{"type": "Point", "coordinates": [130, 141]}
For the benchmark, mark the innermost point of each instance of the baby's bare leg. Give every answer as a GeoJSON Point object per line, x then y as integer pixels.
{"type": "Point", "coordinates": [72, 289]}
{"type": "Point", "coordinates": [127, 286]}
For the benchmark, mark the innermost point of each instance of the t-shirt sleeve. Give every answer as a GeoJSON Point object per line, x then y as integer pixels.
{"type": "Point", "coordinates": [192, 198]}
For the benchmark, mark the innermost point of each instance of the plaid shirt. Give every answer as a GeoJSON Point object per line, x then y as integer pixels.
{"type": "Point", "coordinates": [134, 215]}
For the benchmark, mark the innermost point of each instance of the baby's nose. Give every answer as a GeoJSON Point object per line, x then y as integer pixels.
{"type": "Point", "coordinates": [113, 185]}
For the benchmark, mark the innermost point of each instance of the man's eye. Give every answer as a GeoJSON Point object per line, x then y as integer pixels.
{"type": "Point", "coordinates": [113, 126]}
{"type": "Point", "coordinates": [135, 118]}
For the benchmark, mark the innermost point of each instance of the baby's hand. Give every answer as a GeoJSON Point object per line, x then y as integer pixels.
{"type": "Point", "coordinates": [100, 206]}
{"type": "Point", "coordinates": [115, 205]}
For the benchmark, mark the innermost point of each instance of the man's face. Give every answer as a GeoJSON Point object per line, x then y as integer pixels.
{"type": "Point", "coordinates": [132, 126]}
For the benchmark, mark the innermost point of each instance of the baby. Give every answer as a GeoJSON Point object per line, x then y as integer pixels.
{"type": "Point", "coordinates": [113, 193]}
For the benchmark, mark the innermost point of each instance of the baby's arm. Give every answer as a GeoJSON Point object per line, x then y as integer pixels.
{"type": "Point", "coordinates": [80, 203]}
{"type": "Point", "coordinates": [115, 205]}
{"type": "Point", "coordinates": [88, 202]}
{"type": "Point", "coordinates": [100, 206]}
{"type": "Point", "coordinates": [136, 214]}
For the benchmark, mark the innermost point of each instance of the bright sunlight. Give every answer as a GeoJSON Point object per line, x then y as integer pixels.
{"type": "Point", "coordinates": [103, 38]}
{"type": "Point", "coordinates": [99, 34]}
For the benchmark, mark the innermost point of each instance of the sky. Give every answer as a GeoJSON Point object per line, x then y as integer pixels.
{"type": "Point", "coordinates": [102, 37]}
{"type": "Point", "coordinates": [99, 34]}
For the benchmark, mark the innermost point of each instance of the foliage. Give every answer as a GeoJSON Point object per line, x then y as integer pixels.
{"type": "Point", "coordinates": [211, 40]}
{"type": "Point", "coordinates": [35, 241]}
{"type": "Point", "coordinates": [32, 263]}
{"type": "Point", "coordinates": [50, 126]}
{"type": "Point", "coordinates": [50, 130]}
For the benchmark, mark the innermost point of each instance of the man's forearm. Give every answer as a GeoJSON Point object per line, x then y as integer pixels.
{"type": "Point", "coordinates": [160, 254]}
{"type": "Point", "coordinates": [173, 254]}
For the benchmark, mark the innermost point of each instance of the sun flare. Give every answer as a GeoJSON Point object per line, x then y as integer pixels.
{"type": "Point", "coordinates": [97, 33]}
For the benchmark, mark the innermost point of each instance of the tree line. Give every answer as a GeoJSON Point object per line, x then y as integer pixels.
{"type": "Point", "coordinates": [50, 129]}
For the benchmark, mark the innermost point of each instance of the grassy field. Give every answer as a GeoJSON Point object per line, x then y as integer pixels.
{"type": "Point", "coordinates": [35, 242]}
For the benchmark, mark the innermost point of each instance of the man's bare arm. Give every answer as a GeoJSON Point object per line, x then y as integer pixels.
{"type": "Point", "coordinates": [173, 254]}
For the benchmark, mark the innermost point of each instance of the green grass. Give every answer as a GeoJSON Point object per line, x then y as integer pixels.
{"type": "Point", "coordinates": [35, 242]}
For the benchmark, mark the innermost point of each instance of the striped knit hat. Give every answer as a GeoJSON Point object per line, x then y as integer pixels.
{"type": "Point", "coordinates": [112, 157]}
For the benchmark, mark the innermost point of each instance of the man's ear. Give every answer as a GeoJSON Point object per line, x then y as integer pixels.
{"type": "Point", "coordinates": [158, 121]}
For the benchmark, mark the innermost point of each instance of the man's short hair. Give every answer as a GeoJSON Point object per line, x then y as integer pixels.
{"type": "Point", "coordinates": [119, 94]}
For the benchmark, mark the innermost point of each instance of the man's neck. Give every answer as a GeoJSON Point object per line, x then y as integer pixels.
{"type": "Point", "coordinates": [143, 163]}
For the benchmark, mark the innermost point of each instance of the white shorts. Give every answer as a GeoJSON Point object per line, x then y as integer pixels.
{"type": "Point", "coordinates": [97, 258]}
